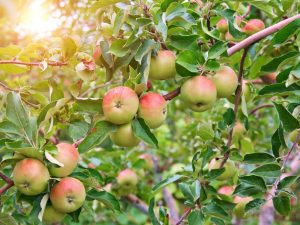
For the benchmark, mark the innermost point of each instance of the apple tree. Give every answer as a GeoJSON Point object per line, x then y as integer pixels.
{"type": "Point", "coordinates": [149, 112]}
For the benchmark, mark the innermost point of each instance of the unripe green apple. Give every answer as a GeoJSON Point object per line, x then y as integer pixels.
{"type": "Point", "coordinates": [222, 25]}
{"type": "Point", "coordinates": [293, 135]}
{"type": "Point", "coordinates": [230, 169]}
{"type": "Point", "coordinates": [253, 26]}
{"type": "Point", "coordinates": [68, 155]}
{"type": "Point", "coordinates": [124, 136]}
{"type": "Point", "coordinates": [67, 195]}
{"type": "Point", "coordinates": [225, 81]}
{"type": "Point", "coordinates": [148, 161]}
{"type": "Point", "coordinates": [30, 176]}
{"type": "Point", "coordinates": [153, 109]}
{"type": "Point", "coordinates": [127, 178]}
{"type": "Point", "coordinates": [162, 66]}
{"type": "Point", "coordinates": [239, 131]}
{"type": "Point", "coordinates": [199, 92]}
{"type": "Point", "coordinates": [120, 104]}
{"type": "Point", "coordinates": [239, 209]}
{"type": "Point", "coordinates": [51, 215]}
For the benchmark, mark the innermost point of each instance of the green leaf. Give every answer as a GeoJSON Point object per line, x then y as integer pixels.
{"type": "Point", "coordinates": [259, 157]}
{"type": "Point", "coordinates": [187, 63]}
{"type": "Point", "coordinates": [255, 181]}
{"type": "Point", "coordinates": [244, 189]}
{"type": "Point", "coordinates": [254, 204]}
{"type": "Point", "coordinates": [183, 42]}
{"type": "Point", "coordinates": [267, 170]}
{"type": "Point", "coordinates": [69, 47]}
{"type": "Point", "coordinates": [279, 88]}
{"type": "Point", "coordinates": [274, 64]}
{"type": "Point", "coordinates": [196, 218]}
{"type": "Point", "coordinates": [288, 121]}
{"type": "Point", "coordinates": [286, 32]}
{"type": "Point", "coordinates": [104, 3]}
{"type": "Point", "coordinates": [286, 182]}
{"type": "Point", "coordinates": [151, 213]}
{"type": "Point", "coordinates": [144, 49]}
{"type": "Point", "coordinates": [9, 128]}
{"type": "Point", "coordinates": [191, 191]}
{"type": "Point", "coordinates": [6, 219]}
{"type": "Point", "coordinates": [165, 182]}
{"type": "Point", "coordinates": [14, 69]}
{"type": "Point", "coordinates": [78, 130]}
{"type": "Point", "coordinates": [92, 106]}
{"type": "Point", "coordinates": [100, 132]}
{"type": "Point", "coordinates": [104, 197]}
{"type": "Point", "coordinates": [217, 49]}
{"type": "Point", "coordinates": [142, 131]}
{"type": "Point", "coordinates": [282, 204]}
{"type": "Point", "coordinates": [277, 141]}
{"type": "Point", "coordinates": [212, 209]}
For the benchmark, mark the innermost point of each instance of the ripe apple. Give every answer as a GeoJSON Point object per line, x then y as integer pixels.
{"type": "Point", "coordinates": [293, 136]}
{"type": "Point", "coordinates": [239, 209]}
{"type": "Point", "coordinates": [199, 92]}
{"type": "Point", "coordinates": [226, 190]}
{"type": "Point", "coordinates": [253, 26]}
{"type": "Point", "coordinates": [222, 25]}
{"type": "Point", "coordinates": [269, 78]}
{"type": "Point", "coordinates": [67, 195]}
{"type": "Point", "coordinates": [68, 155]}
{"type": "Point", "coordinates": [225, 81]}
{"type": "Point", "coordinates": [127, 178]}
{"type": "Point", "coordinates": [120, 104]}
{"type": "Point", "coordinates": [97, 54]}
{"type": "Point", "coordinates": [148, 161]}
{"type": "Point", "coordinates": [230, 169]}
{"type": "Point", "coordinates": [162, 66]}
{"type": "Point", "coordinates": [238, 131]}
{"type": "Point", "coordinates": [153, 109]}
{"type": "Point", "coordinates": [51, 215]}
{"type": "Point", "coordinates": [30, 176]}
{"type": "Point", "coordinates": [124, 136]}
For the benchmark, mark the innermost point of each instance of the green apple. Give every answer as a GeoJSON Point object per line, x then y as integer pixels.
{"type": "Point", "coordinates": [30, 176]}
{"type": "Point", "coordinates": [199, 92]}
{"type": "Point", "coordinates": [124, 136]}
{"type": "Point", "coordinates": [222, 25]}
{"type": "Point", "coordinates": [293, 136]}
{"type": "Point", "coordinates": [253, 26]}
{"type": "Point", "coordinates": [239, 131]}
{"type": "Point", "coordinates": [226, 81]}
{"type": "Point", "coordinates": [67, 195]}
{"type": "Point", "coordinates": [148, 161]}
{"type": "Point", "coordinates": [162, 66]}
{"type": "Point", "coordinates": [127, 178]}
{"type": "Point", "coordinates": [153, 109]}
{"type": "Point", "coordinates": [230, 169]}
{"type": "Point", "coordinates": [120, 104]}
{"type": "Point", "coordinates": [68, 155]}
{"type": "Point", "coordinates": [51, 215]}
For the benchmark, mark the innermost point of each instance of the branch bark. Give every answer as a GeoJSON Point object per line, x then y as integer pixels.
{"type": "Point", "coordinates": [172, 94]}
{"type": "Point", "coordinates": [260, 35]}
{"type": "Point", "coordinates": [138, 203]}
{"type": "Point", "coordinates": [186, 213]}
{"type": "Point", "coordinates": [9, 184]}
{"type": "Point", "coordinates": [32, 63]}
{"type": "Point", "coordinates": [261, 107]}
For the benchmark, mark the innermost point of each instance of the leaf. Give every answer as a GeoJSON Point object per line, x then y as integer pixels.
{"type": "Point", "coordinates": [151, 213]}
{"type": "Point", "coordinates": [282, 204]}
{"type": "Point", "coordinates": [288, 121]}
{"type": "Point", "coordinates": [196, 218]}
{"type": "Point", "coordinates": [217, 49]}
{"type": "Point", "coordinates": [187, 63]}
{"type": "Point", "coordinates": [286, 32]}
{"type": "Point", "coordinates": [100, 132]}
{"type": "Point", "coordinates": [78, 130]}
{"type": "Point", "coordinates": [183, 42]}
{"type": "Point", "coordinates": [30, 152]}
{"type": "Point", "coordinates": [14, 69]}
{"type": "Point", "coordinates": [244, 189]}
{"type": "Point", "coordinates": [165, 182]}
{"type": "Point", "coordinates": [191, 191]}
{"type": "Point", "coordinates": [142, 131]}
{"type": "Point", "coordinates": [255, 181]}
{"type": "Point", "coordinates": [212, 209]}
{"type": "Point", "coordinates": [9, 128]}
{"type": "Point", "coordinates": [277, 141]}
{"type": "Point", "coordinates": [258, 158]}
{"type": "Point", "coordinates": [106, 198]}
{"type": "Point", "coordinates": [144, 49]}
{"type": "Point", "coordinates": [53, 160]}
{"type": "Point", "coordinates": [43, 206]}
{"type": "Point", "coordinates": [274, 64]}
{"type": "Point", "coordinates": [104, 3]}
{"type": "Point", "coordinates": [254, 204]}
{"type": "Point", "coordinates": [286, 182]}
{"type": "Point", "coordinates": [279, 88]}
{"type": "Point", "coordinates": [92, 106]}
{"type": "Point", "coordinates": [6, 219]}
{"type": "Point", "coordinates": [267, 170]}
{"type": "Point", "coordinates": [69, 47]}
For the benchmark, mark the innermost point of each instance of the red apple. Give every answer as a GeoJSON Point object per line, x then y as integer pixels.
{"type": "Point", "coordinates": [68, 155]}
{"type": "Point", "coordinates": [127, 178]}
{"type": "Point", "coordinates": [253, 26]}
{"type": "Point", "coordinates": [153, 109]}
{"type": "Point", "coordinates": [120, 104]}
{"type": "Point", "coordinates": [51, 215]}
{"type": "Point", "coordinates": [30, 176]}
{"type": "Point", "coordinates": [226, 190]}
{"type": "Point", "coordinates": [67, 195]}
{"type": "Point", "coordinates": [199, 92]}
{"type": "Point", "coordinates": [222, 25]}
{"type": "Point", "coordinates": [124, 136]}
{"type": "Point", "coordinates": [162, 66]}
{"type": "Point", "coordinates": [269, 78]}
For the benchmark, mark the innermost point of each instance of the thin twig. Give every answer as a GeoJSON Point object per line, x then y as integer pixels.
{"type": "Point", "coordinates": [138, 203]}
{"type": "Point", "coordinates": [186, 213]}
{"type": "Point", "coordinates": [261, 107]}
{"type": "Point", "coordinates": [237, 101]}
{"type": "Point", "coordinates": [260, 35]}
{"type": "Point", "coordinates": [32, 63]}
{"type": "Point", "coordinates": [6, 87]}
{"type": "Point", "coordinates": [94, 89]}
{"type": "Point", "coordinates": [9, 184]}
{"type": "Point", "coordinates": [172, 94]}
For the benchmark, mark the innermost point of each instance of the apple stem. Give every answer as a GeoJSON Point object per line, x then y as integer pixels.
{"type": "Point", "coordinates": [260, 35]}
{"type": "Point", "coordinates": [9, 184]}
{"type": "Point", "coordinates": [32, 63]}
{"type": "Point", "coordinates": [261, 107]}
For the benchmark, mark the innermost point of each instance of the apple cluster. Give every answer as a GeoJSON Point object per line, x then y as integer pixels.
{"type": "Point", "coordinates": [31, 177]}
{"type": "Point", "coordinates": [250, 27]}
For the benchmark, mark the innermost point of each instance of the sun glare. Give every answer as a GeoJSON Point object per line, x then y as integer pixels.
{"type": "Point", "coordinates": [37, 21]}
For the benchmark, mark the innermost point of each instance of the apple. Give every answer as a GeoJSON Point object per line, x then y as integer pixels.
{"type": "Point", "coordinates": [226, 190]}
{"type": "Point", "coordinates": [67, 195]}
{"type": "Point", "coordinates": [199, 92]}
{"type": "Point", "coordinates": [230, 169]}
{"type": "Point", "coordinates": [153, 109]}
{"type": "Point", "coordinates": [51, 215]}
{"type": "Point", "coordinates": [246, 92]}
{"type": "Point", "coordinates": [269, 78]}
{"type": "Point", "coordinates": [149, 165]}
{"type": "Point", "coordinates": [226, 81]}
{"type": "Point", "coordinates": [229, 37]}
{"type": "Point", "coordinates": [239, 209]}
{"type": "Point", "coordinates": [253, 26]}
{"type": "Point", "coordinates": [124, 136]}
{"type": "Point", "coordinates": [68, 155]}
{"type": "Point", "coordinates": [222, 25]}
{"type": "Point", "coordinates": [30, 176]}
{"type": "Point", "coordinates": [162, 66]}
{"type": "Point", "coordinates": [293, 135]}
{"type": "Point", "coordinates": [127, 178]}
{"type": "Point", "coordinates": [239, 131]}
{"type": "Point", "coordinates": [97, 54]}
{"type": "Point", "coordinates": [120, 104]}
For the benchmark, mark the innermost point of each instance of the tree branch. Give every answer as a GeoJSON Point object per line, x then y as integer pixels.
{"type": "Point", "coordinates": [138, 203]}
{"type": "Point", "coordinates": [260, 35]}
{"type": "Point", "coordinates": [172, 94]}
{"type": "Point", "coordinates": [237, 101]}
{"type": "Point", "coordinates": [261, 107]}
{"type": "Point", "coordinates": [32, 63]}
{"type": "Point", "coordinates": [94, 89]}
{"type": "Point", "coordinates": [186, 213]}
{"type": "Point", "coordinates": [9, 184]}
